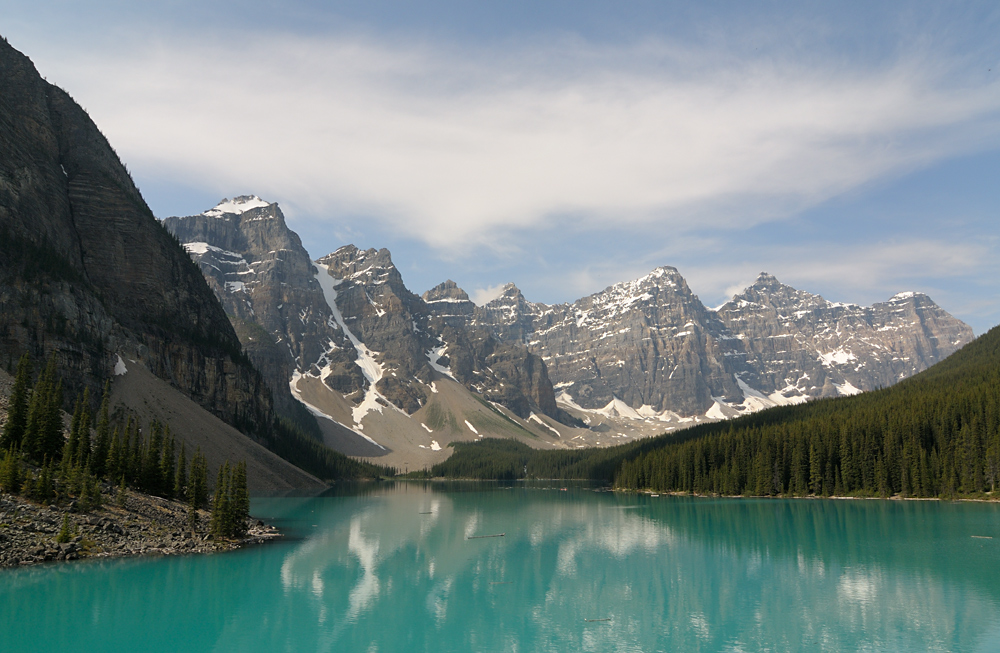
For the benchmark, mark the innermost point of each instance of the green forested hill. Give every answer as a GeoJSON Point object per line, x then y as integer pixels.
{"type": "Point", "coordinates": [935, 434]}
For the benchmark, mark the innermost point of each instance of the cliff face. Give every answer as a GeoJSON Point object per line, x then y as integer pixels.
{"type": "Point", "coordinates": [800, 343]}
{"type": "Point", "coordinates": [365, 336]}
{"type": "Point", "coordinates": [88, 273]}
{"type": "Point", "coordinates": [415, 337]}
{"type": "Point", "coordinates": [648, 342]}
{"type": "Point", "coordinates": [652, 344]}
{"type": "Point", "coordinates": [266, 282]}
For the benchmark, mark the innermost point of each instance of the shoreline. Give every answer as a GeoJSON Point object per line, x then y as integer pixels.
{"type": "Point", "coordinates": [146, 526]}
{"type": "Point", "coordinates": [673, 493]}
{"type": "Point", "coordinates": [835, 497]}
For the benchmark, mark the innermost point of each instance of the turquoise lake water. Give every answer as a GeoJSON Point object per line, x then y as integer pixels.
{"type": "Point", "coordinates": [389, 567]}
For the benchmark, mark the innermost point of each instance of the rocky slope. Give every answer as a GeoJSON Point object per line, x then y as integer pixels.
{"type": "Point", "coordinates": [648, 343]}
{"type": "Point", "coordinates": [346, 335]}
{"type": "Point", "coordinates": [145, 525]}
{"type": "Point", "coordinates": [404, 343]}
{"type": "Point", "coordinates": [266, 282]}
{"type": "Point", "coordinates": [86, 272]}
{"type": "Point", "coordinates": [803, 345]}
{"type": "Point", "coordinates": [649, 349]}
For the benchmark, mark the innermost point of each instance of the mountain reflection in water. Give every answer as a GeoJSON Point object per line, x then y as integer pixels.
{"type": "Point", "coordinates": [391, 567]}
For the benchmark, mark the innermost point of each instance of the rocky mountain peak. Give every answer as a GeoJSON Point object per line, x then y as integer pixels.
{"type": "Point", "coordinates": [236, 206]}
{"type": "Point", "coordinates": [769, 294]}
{"type": "Point", "coordinates": [510, 315]}
{"type": "Point", "coordinates": [447, 291]}
{"type": "Point", "coordinates": [449, 303]}
{"type": "Point", "coordinates": [366, 266]}
{"type": "Point", "coordinates": [508, 293]}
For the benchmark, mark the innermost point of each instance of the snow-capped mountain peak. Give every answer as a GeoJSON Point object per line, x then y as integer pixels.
{"type": "Point", "coordinates": [236, 206]}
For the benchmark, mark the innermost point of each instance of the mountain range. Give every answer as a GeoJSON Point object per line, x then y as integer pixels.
{"type": "Point", "coordinates": [389, 374]}
{"type": "Point", "coordinates": [273, 346]}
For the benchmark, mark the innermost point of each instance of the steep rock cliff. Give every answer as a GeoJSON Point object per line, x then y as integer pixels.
{"type": "Point", "coordinates": [87, 273]}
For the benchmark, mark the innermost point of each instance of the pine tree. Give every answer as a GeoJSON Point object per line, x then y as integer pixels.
{"type": "Point", "coordinates": [151, 481]}
{"type": "Point", "coordinates": [815, 472]}
{"type": "Point", "coordinates": [35, 424]}
{"type": "Point", "coordinates": [10, 471]}
{"type": "Point", "coordinates": [69, 450]}
{"type": "Point", "coordinates": [198, 482]}
{"type": "Point", "coordinates": [167, 466]}
{"type": "Point", "coordinates": [240, 500]}
{"type": "Point", "coordinates": [65, 534]}
{"type": "Point", "coordinates": [180, 477]}
{"type": "Point", "coordinates": [135, 457]}
{"type": "Point", "coordinates": [83, 444]}
{"type": "Point", "coordinates": [90, 495]}
{"type": "Point", "coordinates": [221, 523]}
{"type": "Point", "coordinates": [43, 490]}
{"type": "Point", "coordinates": [102, 441]}
{"type": "Point", "coordinates": [113, 465]}
{"type": "Point", "coordinates": [17, 410]}
{"type": "Point", "coordinates": [122, 493]}
{"type": "Point", "coordinates": [53, 440]}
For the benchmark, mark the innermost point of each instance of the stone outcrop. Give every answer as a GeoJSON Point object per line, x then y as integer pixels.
{"type": "Point", "coordinates": [145, 525]}
{"type": "Point", "coordinates": [367, 335]}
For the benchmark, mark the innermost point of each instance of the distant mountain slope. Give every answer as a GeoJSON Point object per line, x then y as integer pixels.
{"type": "Point", "coordinates": [355, 346]}
{"type": "Point", "coordinates": [86, 272]}
{"type": "Point", "coordinates": [651, 347]}
{"type": "Point", "coordinates": [935, 434]}
{"type": "Point", "coordinates": [266, 282]}
{"type": "Point", "coordinates": [802, 343]}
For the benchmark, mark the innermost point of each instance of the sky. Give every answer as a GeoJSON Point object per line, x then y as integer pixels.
{"type": "Point", "coordinates": [851, 149]}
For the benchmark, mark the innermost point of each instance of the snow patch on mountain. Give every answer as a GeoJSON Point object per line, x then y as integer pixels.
{"type": "Point", "coordinates": [236, 206]}
{"type": "Point", "coordinates": [293, 384]}
{"type": "Point", "coordinates": [535, 418]}
{"type": "Point", "coordinates": [434, 355]}
{"type": "Point", "coordinates": [370, 368]}
{"type": "Point", "coordinates": [845, 389]}
{"type": "Point", "coordinates": [838, 357]}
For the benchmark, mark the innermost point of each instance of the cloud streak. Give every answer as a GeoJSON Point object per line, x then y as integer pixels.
{"type": "Point", "coordinates": [459, 149]}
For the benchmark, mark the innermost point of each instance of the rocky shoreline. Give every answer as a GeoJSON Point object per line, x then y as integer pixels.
{"type": "Point", "coordinates": [146, 525]}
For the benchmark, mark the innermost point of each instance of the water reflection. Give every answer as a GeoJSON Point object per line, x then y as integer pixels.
{"type": "Point", "coordinates": [392, 568]}
{"type": "Point", "coordinates": [714, 575]}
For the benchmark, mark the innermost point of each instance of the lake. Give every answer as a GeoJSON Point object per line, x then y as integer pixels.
{"type": "Point", "coordinates": [391, 567]}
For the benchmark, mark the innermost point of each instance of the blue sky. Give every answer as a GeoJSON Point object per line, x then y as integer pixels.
{"type": "Point", "coordinates": [851, 149]}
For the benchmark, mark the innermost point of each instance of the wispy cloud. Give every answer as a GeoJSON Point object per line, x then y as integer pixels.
{"type": "Point", "coordinates": [481, 296]}
{"type": "Point", "coordinates": [460, 148]}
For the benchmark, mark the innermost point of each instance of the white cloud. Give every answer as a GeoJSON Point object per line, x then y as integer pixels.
{"type": "Point", "coordinates": [457, 148]}
{"type": "Point", "coordinates": [481, 296]}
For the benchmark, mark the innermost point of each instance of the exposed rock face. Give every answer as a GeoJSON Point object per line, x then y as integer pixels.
{"type": "Point", "coordinates": [366, 336]}
{"type": "Point", "coordinates": [449, 304]}
{"type": "Point", "coordinates": [652, 344]}
{"type": "Point", "coordinates": [87, 272]}
{"type": "Point", "coordinates": [649, 342]}
{"type": "Point", "coordinates": [801, 344]}
{"type": "Point", "coordinates": [266, 282]}
{"type": "Point", "coordinates": [409, 337]}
